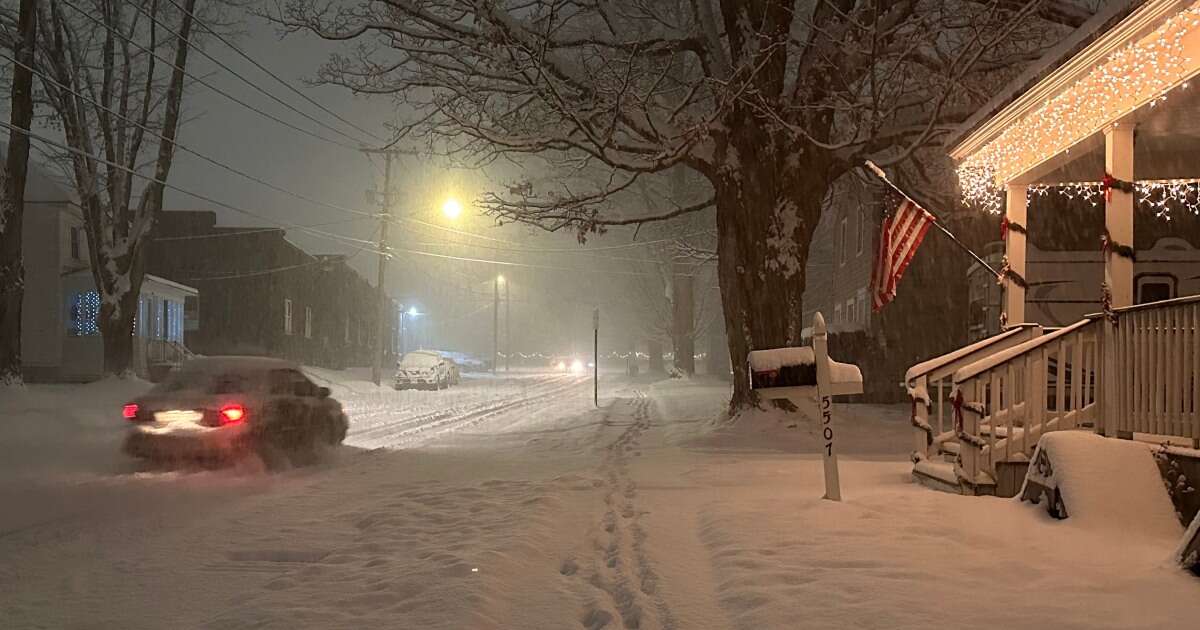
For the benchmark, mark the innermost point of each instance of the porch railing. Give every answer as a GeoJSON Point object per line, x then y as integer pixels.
{"type": "Point", "coordinates": [1005, 402]}
{"type": "Point", "coordinates": [1136, 372]}
{"type": "Point", "coordinates": [1156, 381]}
{"type": "Point", "coordinates": [929, 385]}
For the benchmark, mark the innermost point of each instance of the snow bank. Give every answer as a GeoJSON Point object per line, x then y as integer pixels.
{"type": "Point", "coordinates": [1106, 484]}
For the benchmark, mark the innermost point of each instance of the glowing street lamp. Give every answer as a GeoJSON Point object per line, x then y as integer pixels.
{"type": "Point", "coordinates": [451, 209]}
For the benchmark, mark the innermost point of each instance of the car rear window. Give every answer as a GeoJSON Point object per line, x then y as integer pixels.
{"type": "Point", "coordinates": [194, 381]}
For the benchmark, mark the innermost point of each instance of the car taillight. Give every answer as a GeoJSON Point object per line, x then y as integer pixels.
{"type": "Point", "coordinates": [231, 414]}
{"type": "Point", "coordinates": [130, 411]}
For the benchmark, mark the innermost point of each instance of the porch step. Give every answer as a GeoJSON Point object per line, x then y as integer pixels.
{"type": "Point", "coordinates": [1103, 483]}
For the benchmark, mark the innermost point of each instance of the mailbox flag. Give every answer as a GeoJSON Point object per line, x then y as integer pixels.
{"type": "Point", "coordinates": [904, 227]}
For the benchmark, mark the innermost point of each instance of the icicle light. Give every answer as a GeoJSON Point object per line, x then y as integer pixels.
{"type": "Point", "coordinates": [1142, 72]}
{"type": "Point", "coordinates": [1163, 196]}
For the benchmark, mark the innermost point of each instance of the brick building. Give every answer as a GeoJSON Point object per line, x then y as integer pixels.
{"type": "Point", "coordinates": [260, 294]}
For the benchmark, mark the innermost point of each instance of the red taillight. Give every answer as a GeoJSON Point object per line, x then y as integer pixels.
{"type": "Point", "coordinates": [231, 414]}
{"type": "Point", "coordinates": [130, 411]}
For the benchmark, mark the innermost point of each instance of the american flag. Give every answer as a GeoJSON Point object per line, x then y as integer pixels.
{"type": "Point", "coordinates": [904, 226]}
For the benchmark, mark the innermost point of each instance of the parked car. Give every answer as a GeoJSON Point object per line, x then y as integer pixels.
{"type": "Point", "coordinates": [216, 408]}
{"type": "Point", "coordinates": [423, 369]}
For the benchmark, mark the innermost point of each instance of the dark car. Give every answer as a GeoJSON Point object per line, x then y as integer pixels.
{"type": "Point", "coordinates": [215, 408]}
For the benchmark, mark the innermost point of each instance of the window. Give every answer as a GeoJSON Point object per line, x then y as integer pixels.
{"type": "Point", "coordinates": [84, 314]}
{"type": "Point", "coordinates": [862, 230]}
{"type": "Point", "coordinates": [842, 243]}
{"type": "Point", "coordinates": [191, 312]}
{"type": "Point", "coordinates": [287, 317]}
{"type": "Point", "coordinates": [347, 329]}
{"type": "Point", "coordinates": [308, 322]}
{"type": "Point", "coordinates": [851, 312]}
{"type": "Point", "coordinates": [76, 245]}
{"type": "Point", "coordinates": [864, 307]}
{"type": "Point", "coordinates": [837, 314]}
{"type": "Point", "coordinates": [1155, 287]}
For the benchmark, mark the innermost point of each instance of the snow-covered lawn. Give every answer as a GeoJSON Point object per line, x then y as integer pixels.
{"type": "Point", "coordinates": [521, 506]}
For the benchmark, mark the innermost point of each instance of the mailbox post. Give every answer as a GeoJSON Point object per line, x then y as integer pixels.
{"type": "Point", "coordinates": [800, 374]}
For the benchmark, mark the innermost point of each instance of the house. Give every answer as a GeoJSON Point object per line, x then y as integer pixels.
{"type": "Point", "coordinates": [840, 262]}
{"type": "Point", "coordinates": [1062, 282]}
{"type": "Point", "coordinates": [60, 338]}
{"type": "Point", "coordinates": [1107, 118]}
{"type": "Point", "coordinates": [263, 295]}
{"type": "Point", "coordinates": [882, 343]}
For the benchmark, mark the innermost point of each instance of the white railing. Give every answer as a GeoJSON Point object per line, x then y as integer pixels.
{"type": "Point", "coordinates": [1005, 402]}
{"type": "Point", "coordinates": [1155, 384]}
{"type": "Point", "coordinates": [1134, 374]}
{"type": "Point", "coordinates": [929, 385]}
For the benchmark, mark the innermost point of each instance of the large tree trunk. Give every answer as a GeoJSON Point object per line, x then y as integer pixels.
{"type": "Point", "coordinates": [683, 320]}
{"type": "Point", "coordinates": [12, 199]}
{"type": "Point", "coordinates": [767, 210]}
{"type": "Point", "coordinates": [654, 348]}
{"type": "Point", "coordinates": [116, 327]}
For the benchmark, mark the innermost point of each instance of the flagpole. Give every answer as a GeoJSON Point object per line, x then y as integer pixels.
{"type": "Point", "coordinates": [936, 222]}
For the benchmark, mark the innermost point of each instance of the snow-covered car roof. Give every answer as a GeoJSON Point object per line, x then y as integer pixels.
{"type": "Point", "coordinates": [421, 357]}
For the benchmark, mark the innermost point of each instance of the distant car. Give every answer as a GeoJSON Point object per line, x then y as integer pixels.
{"type": "Point", "coordinates": [422, 369]}
{"type": "Point", "coordinates": [221, 407]}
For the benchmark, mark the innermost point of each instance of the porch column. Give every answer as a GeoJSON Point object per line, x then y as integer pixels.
{"type": "Point", "coordinates": [1014, 251]}
{"type": "Point", "coordinates": [1118, 213]}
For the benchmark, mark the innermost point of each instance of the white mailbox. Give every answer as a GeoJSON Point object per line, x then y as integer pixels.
{"type": "Point", "coordinates": [807, 373]}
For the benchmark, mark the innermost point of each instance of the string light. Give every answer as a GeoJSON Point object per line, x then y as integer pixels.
{"type": "Point", "coordinates": [85, 313]}
{"type": "Point", "coordinates": [1142, 72]}
{"type": "Point", "coordinates": [1162, 196]}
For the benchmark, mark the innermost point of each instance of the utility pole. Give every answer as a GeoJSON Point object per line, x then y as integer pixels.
{"type": "Point", "coordinates": [385, 217]}
{"type": "Point", "coordinates": [507, 327]}
{"type": "Point", "coordinates": [596, 357]}
{"type": "Point", "coordinates": [496, 322]}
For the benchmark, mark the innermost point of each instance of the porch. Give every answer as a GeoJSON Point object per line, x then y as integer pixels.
{"type": "Point", "coordinates": [1114, 126]}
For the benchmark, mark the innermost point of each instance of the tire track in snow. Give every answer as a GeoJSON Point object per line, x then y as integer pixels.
{"type": "Point", "coordinates": [409, 430]}
{"type": "Point", "coordinates": [622, 573]}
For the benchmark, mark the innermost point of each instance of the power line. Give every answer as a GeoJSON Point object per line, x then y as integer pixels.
{"type": "Point", "coordinates": [256, 87]}
{"type": "Point", "coordinates": [210, 86]}
{"type": "Point", "coordinates": [121, 167]}
{"type": "Point", "coordinates": [580, 252]}
{"type": "Point", "coordinates": [503, 263]}
{"type": "Point", "coordinates": [185, 148]}
{"type": "Point", "coordinates": [272, 74]}
{"type": "Point", "coordinates": [339, 208]}
{"type": "Point", "coordinates": [248, 231]}
{"type": "Point", "coordinates": [252, 274]}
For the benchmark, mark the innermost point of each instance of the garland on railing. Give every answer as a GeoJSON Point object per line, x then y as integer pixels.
{"type": "Point", "coordinates": [1107, 244]}
{"type": "Point", "coordinates": [1106, 301]}
{"type": "Point", "coordinates": [1006, 225]}
{"type": "Point", "coordinates": [1109, 183]}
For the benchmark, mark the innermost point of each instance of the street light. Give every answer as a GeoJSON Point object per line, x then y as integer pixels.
{"type": "Point", "coordinates": [404, 314]}
{"type": "Point", "coordinates": [451, 209]}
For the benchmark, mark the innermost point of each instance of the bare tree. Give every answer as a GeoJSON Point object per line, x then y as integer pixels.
{"type": "Point", "coordinates": [770, 100]}
{"type": "Point", "coordinates": [113, 73]}
{"type": "Point", "coordinates": [12, 198]}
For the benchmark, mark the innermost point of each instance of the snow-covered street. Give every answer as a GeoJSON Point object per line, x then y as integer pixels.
{"type": "Point", "coordinates": [513, 503]}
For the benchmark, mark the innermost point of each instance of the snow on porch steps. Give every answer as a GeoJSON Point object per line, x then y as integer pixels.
{"type": "Point", "coordinates": [1106, 483]}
